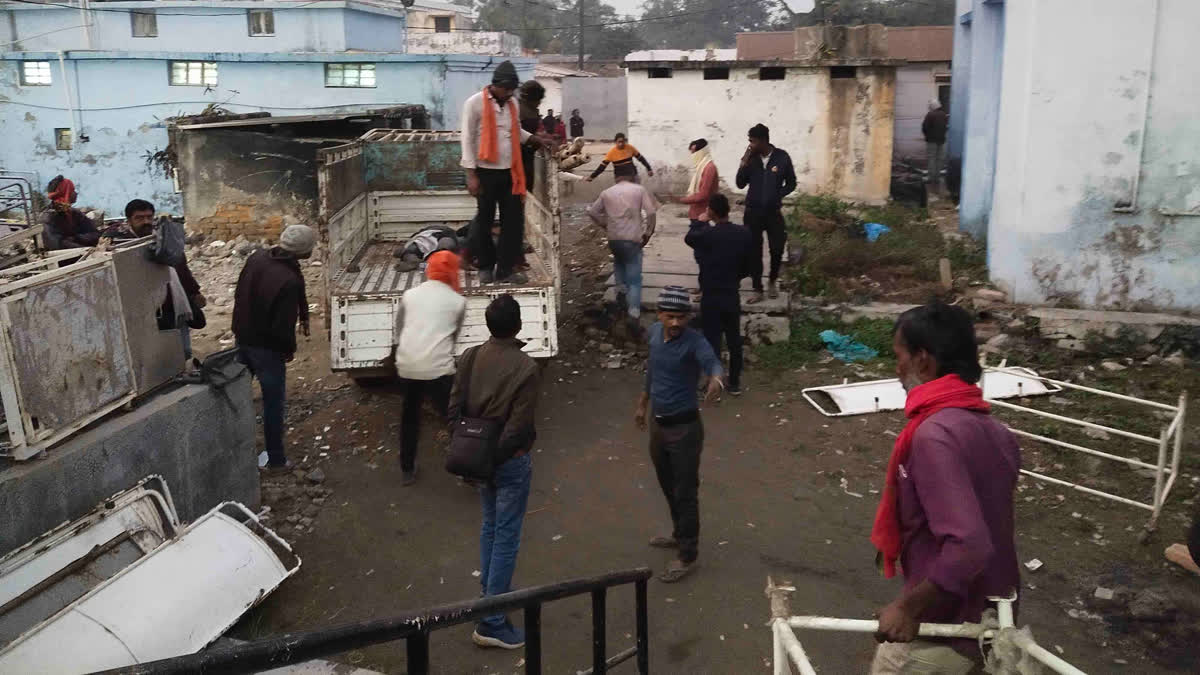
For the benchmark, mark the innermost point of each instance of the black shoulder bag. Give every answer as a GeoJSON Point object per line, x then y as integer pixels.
{"type": "Point", "coordinates": [474, 441]}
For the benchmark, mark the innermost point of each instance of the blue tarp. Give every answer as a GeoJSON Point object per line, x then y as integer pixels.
{"type": "Point", "coordinates": [874, 230]}
{"type": "Point", "coordinates": [845, 348]}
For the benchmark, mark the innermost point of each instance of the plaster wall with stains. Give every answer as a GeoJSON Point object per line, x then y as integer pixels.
{"type": "Point", "coordinates": [122, 104]}
{"type": "Point", "coordinates": [838, 131]}
{"type": "Point", "coordinates": [1097, 186]}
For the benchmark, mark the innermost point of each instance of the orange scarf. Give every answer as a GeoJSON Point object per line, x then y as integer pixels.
{"type": "Point", "coordinates": [489, 145]}
{"type": "Point", "coordinates": [443, 266]}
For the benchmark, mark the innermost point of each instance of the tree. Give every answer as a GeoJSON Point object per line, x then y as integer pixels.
{"type": "Point", "coordinates": [886, 12]}
{"type": "Point", "coordinates": [554, 26]}
{"type": "Point", "coordinates": [693, 24]}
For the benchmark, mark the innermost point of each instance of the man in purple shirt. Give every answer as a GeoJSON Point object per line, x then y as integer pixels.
{"type": "Point", "coordinates": [954, 504]}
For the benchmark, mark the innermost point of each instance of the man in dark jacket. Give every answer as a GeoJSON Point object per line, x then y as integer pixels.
{"type": "Point", "coordinates": [725, 252]}
{"type": "Point", "coordinates": [576, 124]}
{"type": "Point", "coordinates": [268, 301]}
{"type": "Point", "coordinates": [769, 174]}
{"type": "Point", "coordinates": [65, 226]}
{"type": "Point", "coordinates": [934, 129]}
{"type": "Point", "coordinates": [501, 382]}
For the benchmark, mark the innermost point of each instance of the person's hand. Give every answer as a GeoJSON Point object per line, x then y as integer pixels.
{"type": "Point", "coordinates": [897, 624]}
{"type": "Point", "coordinates": [746, 156]}
{"type": "Point", "coordinates": [289, 358]}
{"type": "Point", "coordinates": [200, 300]}
{"type": "Point", "coordinates": [473, 184]}
{"type": "Point", "coordinates": [304, 327]}
{"type": "Point", "coordinates": [650, 172]}
{"type": "Point", "coordinates": [645, 240]}
{"type": "Point", "coordinates": [589, 179]}
{"type": "Point", "coordinates": [639, 417]}
{"type": "Point", "coordinates": [715, 386]}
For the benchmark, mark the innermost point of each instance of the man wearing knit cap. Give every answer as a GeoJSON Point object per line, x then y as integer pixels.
{"type": "Point", "coordinates": [678, 356]}
{"type": "Point", "coordinates": [269, 299]}
{"type": "Point", "coordinates": [492, 138]}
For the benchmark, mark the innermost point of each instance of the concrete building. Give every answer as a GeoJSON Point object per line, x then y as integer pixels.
{"type": "Point", "coordinates": [87, 93]}
{"type": "Point", "coordinates": [835, 117]}
{"type": "Point", "coordinates": [925, 75]}
{"type": "Point", "coordinates": [553, 78]}
{"type": "Point", "coordinates": [1095, 183]}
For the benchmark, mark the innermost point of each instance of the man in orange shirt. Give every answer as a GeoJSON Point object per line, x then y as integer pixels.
{"type": "Point", "coordinates": [623, 153]}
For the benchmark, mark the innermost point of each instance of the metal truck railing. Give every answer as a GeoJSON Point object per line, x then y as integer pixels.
{"type": "Point", "coordinates": [415, 627]}
{"type": "Point", "coordinates": [1008, 643]}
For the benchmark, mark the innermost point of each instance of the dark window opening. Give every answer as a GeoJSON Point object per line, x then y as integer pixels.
{"type": "Point", "coordinates": [716, 73]}
{"type": "Point", "coordinates": [658, 73]}
{"type": "Point", "coordinates": [843, 72]}
{"type": "Point", "coordinates": [772, 73]}
{"type": "Point", "coordinates": [441, 24]}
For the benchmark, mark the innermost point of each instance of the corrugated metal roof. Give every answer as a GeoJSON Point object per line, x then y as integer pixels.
{"type": "Point", "coordinates": [547, 70]}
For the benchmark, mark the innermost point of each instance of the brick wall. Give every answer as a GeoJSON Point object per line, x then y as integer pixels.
{"type": "Point", "coordinates": [246, 218]}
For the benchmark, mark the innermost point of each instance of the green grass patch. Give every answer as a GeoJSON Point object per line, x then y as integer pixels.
{"type": "Point", "coordinates": [806, 346]}
{"type": "Point", "coordinates": [840, 263]}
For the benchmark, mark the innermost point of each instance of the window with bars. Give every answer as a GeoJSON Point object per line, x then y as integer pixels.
{"type": "Point", "coordinates": [349, 74]}
{"type": "Point", "coordinates": [441, 24]}
{"type": "Point", "coordinates": [144, 23]}
{"type": "Point", "coordinates": [193, 74]}
{"type": "Point", "coordinates": [262, 22]}
{"type": "Point", "coordinates": [35, 73]}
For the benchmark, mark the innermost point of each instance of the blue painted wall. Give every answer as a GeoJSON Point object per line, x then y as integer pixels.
{"type": "Point", "coordinates": [122, 100]}
{"type": "Point", "coordinates": [982, 116]}
{"type": "Point", "coordinates": [329, 26]}
{"type": "Point", "coordinates": [960, 79]}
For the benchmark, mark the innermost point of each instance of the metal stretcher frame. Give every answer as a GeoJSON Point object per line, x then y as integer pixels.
{"type": "Point", "coordinates": [788, 652]}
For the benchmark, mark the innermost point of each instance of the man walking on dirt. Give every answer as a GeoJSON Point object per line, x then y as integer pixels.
{"type": "Point", "coordinates": [725, 252]}
{"type": "Point", "coordinates": [501, 383]}
{"type": "Point", "coordinates": [268, 301]}
{"type": "Point", "coordinates": [769, 174]}
{"type": "Point", "coordinates": [622, 209]}
{"type": "Point", "coordinates": [946, 513]}
{"type": "Point", "coordinates": [491, 155]}
{"type": "Point", "coordinates": [678, 356]}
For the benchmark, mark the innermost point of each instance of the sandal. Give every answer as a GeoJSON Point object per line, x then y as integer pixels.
{"type": "Point", "coordinates": [758, 297]}
{"type": "Point", "coordinates": [664, 542]}
{"type": "Point", "coordinates": [676, 571]}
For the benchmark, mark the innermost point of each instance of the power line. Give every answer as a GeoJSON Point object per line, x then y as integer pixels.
{"type": "Point", "coordinates": [304, 3]}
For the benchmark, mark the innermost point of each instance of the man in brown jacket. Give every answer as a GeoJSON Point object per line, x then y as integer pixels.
{"type": "Point", "coordinates": [503, 385]}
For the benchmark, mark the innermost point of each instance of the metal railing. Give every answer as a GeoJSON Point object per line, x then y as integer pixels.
{"type": "Point", "coordinates": [415, 627]}
{"type": "Point", "coordinates": [1007, 642]}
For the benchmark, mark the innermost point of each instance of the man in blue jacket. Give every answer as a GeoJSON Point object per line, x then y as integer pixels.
{"type": "Point", "coordinates": [769, 174]}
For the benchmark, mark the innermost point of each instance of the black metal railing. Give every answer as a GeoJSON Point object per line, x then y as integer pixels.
{"type": "Point", "coordinates": [415, 627]}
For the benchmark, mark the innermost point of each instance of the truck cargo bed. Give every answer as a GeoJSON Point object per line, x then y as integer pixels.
{"type": "Point", "coordinates": [374, 271]}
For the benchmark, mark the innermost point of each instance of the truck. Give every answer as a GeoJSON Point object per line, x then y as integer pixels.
{"type": "Point", "coordinates": [377, 192]}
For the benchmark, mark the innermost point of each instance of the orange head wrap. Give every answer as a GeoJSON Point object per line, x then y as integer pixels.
{"type": "Point", "coordinates": [443, 266]}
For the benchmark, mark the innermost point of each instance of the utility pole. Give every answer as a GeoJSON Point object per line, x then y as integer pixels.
{"type": "Point", "coordinates": [580, 34]}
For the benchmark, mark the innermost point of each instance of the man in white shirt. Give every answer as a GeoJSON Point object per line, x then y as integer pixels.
{"type": "Point", "coordinates": [427, 327]}
{"type": "Point", "coordinates": [622, 209]}
{"type": "Point", "coordinates": [491, 140]}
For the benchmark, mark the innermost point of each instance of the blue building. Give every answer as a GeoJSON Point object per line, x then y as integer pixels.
{"type": "Point", "coordinates": [85, 91]}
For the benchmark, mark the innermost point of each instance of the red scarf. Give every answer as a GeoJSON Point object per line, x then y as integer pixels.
{"type": "Point", "coordinates": [489, 141]}
{"type": "Point", "coordinates": [948, 391]}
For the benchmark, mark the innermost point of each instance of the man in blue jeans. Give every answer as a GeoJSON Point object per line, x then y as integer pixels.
{"type": "Point", "coordinates": [628, 212]}
{"type": "Point", "coordinates": [501, 384]}
{"type": "Point", "coordinates": [269, 299]}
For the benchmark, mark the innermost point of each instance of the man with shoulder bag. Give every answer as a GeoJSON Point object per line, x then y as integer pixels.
{"type": "Point", "coordinates": [492, 413]}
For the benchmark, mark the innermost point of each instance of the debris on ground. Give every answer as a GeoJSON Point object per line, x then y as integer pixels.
{"type": "Point", "coordinates": [845, 348]}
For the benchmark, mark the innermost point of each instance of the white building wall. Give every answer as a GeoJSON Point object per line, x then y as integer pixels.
{"type": "Point", "coordinates": [464, 42]}
{"type": "Point", "coordinates": [1097, 184]}
{"type": "Point", "coordinates": [554, 96]}
{"type": "Point", "coordinates": [838, 132]}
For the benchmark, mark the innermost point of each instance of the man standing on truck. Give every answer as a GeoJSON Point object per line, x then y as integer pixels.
{"type": "Point", "coordinates": [269, 298]}
{"type": "Point", "coordinates": [501, 383]}
{"type": "Point", "coordinates": [678, 356]}
{"type": "Point", "coordinates": [491, 155]}
{"type": "Point", "coordinates": [622, 209]}
{"type": "Point", "coordinates": [768, 172]}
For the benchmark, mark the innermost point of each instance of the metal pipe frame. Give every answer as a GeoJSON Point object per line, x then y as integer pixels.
{"type": "Point", "coordinates": [414, 627]}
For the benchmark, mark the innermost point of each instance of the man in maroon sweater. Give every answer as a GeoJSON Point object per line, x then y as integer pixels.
{"type": "Point", "coordinates": [949, 501]}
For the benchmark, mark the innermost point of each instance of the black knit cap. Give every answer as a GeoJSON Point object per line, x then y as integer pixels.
{"type": "Point", "coordinates": [506, 76]}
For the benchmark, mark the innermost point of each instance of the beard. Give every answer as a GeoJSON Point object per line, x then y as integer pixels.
{"type": "Point", "coordinates": [910, 382]}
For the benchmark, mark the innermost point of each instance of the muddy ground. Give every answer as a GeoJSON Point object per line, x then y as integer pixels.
{"type": "Point", "coordinates": [785, 492]}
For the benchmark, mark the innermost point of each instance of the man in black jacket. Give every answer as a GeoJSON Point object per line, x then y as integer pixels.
{"type": "Point", "coordinates": [725, 252]}
{"type": "Point", "coordinates": [933, 127]}
{"type": "Point", "coordinates": [268, 301]}
{"type": "Point", "coordinates": [768, 172]}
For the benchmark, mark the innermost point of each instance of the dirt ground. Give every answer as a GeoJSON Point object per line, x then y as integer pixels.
{"type": "Point", "coordinates": [785, 492]}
